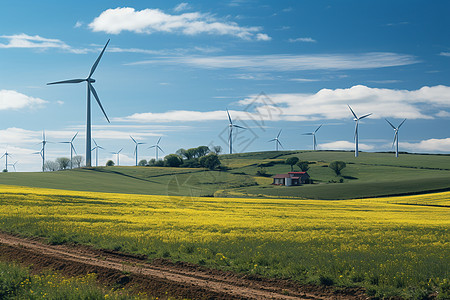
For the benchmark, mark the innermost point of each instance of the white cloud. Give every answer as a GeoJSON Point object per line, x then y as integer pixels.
{"type": "Point", "coordinates": [114, 21]}
{"type": "Point", "coordinates": [285, 62]}
{"type": "Point", "coordinates": [182, 6]}
{"type": "Point", "coordinates": [431, 145]}
{"type": "Point", "coordinates": [304, 40]}
{"type": "Point", "coordinates": [344, 145]}
{"type": "Point", "coordinates": [10, 99]}
{"type": "Point", "coordinates": [332, 104]}
{"type": "Point", "coordinates": [263, 37]}
{"type": "Point", "coordinates": [27, 41]}
{"type": "Point", "coordinates": [304, 79]}
{"type": "Point", "coordinates": [78, 24]}
{"type": "Point", "coordinates": [445, 54]}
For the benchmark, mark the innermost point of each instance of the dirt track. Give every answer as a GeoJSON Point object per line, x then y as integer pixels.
{"type": "Point", "coordinates": [182, 280]}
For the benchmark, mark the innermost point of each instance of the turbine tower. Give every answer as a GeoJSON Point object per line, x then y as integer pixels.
{"type": "Point", "coordinates": [314, 137]}
{"type": "Point", "coordinates": [72, 148]}
{"type": "Point", "coordinates": [96, 151]}
{"type": "Point", "coordinates": [230, 136]}
{"type": "Point", "coordinates": [6, 154]}
{"type": "Point", "coordinates": [395, 135]}
{"type": "Point", "coordinates": [356, 119]}
{"type": "Point", "coordinates": [136, 149]}
{"type": "Point", "coordinates": [118, 155]}
{"type": "Point", "coordinates": [90, 89]}
{"type": "Point", "coordinates": [156, 146]}
{"type": "Point", "coordinates": [42, 152]}
{"type": "Point", "coordinates": [277, 141]}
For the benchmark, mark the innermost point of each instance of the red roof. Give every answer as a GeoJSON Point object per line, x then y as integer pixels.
{"type": "Point", "coordinates": [295, 177]}
{"type": "Point", "coordinates": [281, 176]}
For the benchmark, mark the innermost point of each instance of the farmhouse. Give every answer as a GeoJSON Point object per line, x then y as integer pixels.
{"type": "Point", "coordinates": [291, 178]}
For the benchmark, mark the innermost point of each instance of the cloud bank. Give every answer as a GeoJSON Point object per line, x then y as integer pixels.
{"type": "Point", "coordinates": [10, 99]}
{"type": "Point", "coordinates": [148, 21]}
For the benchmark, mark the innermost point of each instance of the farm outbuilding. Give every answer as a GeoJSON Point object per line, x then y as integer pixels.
{"type": "Point", "coordinates": [291, 178]}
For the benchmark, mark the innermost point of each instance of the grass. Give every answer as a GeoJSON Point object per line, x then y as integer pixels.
{"type": "Point", "coordinates": [17, 282]}
{"type": "Point", "coordinates": [369, 175]}
{"type": "Point", "coordinates": [391, 249]}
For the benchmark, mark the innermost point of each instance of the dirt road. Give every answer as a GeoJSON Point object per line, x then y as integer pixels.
{"type": "Point", "coordinates": [159, 277]}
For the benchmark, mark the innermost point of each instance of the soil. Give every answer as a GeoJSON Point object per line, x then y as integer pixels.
{"type": "Point", "coordinates": [161, 277]}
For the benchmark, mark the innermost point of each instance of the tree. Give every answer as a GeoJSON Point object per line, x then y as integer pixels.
{"type": "Point", "coordinates": [77, 161]}
{"type": "Point", "coordinates": [51, 166]}
{"type": "Point", "coordinates": [292, 161]}
{"type": "Point", "coordinates": [63, 162]}
{"type": "Point", "coordinates": [303, 165]}
{"type": "Point", "coordinates": [110, 163]}
{"type": "Point", "coordinates": [337, 166]}
{"type": "Point", "coordinates": [142, 163]}
{"type": "Point", "coordinates": [217, 149]}
{"type": "Point", "coordinates": [202, 151]}
{"type": "Point", "coordinates": [181, 152]}
{"type": "Point", "coordinates": [190, 153]}
{"type": "Point", "coordinates": [210, 161]}
{"type": "Point", "coordinates": [173, 160]}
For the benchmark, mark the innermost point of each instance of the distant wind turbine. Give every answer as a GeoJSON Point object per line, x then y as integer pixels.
{"type": "Point", "coordinates": [72, 148]}
{"type": "Point", "coordinates": [136, 149]}
{"type": "Point", "coordinates": [14, 166]}
{"type": "Point", "coordinates": [42, 152]}
{"type": "Point", "coordinates": [90, 89]}
{"type": "Point", "coordinates": [395, 135]}
{"type": "Point", "coordinates": [314, 137]}
{"type": "Point", "coordinates": [118, 155]}
{"type": "Point", "coordinates": [156, 146]}
{"type": "Point", "coordinates": [5, 155]}
{"type": "Point", "coordinates": [356, 119]}
{"type": "Point", "coordinates": [96, 151]}
{"type": "Point", "coordinates": [277, 141]}
{"type": "Point", "coordinates": [230, 136]}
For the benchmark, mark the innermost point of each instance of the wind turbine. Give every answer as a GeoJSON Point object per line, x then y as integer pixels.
{"type": "Point", "coordinates": [6, 154]}
{"type": "Point", "coordinates": [90, 89]}
{"type": "Point", "coordinates": [42, 152]}
{"type": "Point", "coordinates": [136, 149]}
{"type": "Point", "coordinates": [230, 136]}
{"type": "Point", "coordinates": [314, 137]}
{"type": "Point", "coordinates": [356, 119]}
{"type": "Point", "coordinates": [96, 152]}
{"type": "Point", "coordinates": [72, 148]}
{"type": "Point", "coordinates": [395, 135]}
{"type": "Point", "coordinates": [14, 165]}
{"type": "Point", "coordinates": [156, 146]}
{"type": "Point", "coordinates": [118, 155]}
{"type": "Point", "coordinates": [277, 141]}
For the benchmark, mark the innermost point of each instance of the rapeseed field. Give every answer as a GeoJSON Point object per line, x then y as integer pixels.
{"type": "Point", "coordinates": [390, 246]}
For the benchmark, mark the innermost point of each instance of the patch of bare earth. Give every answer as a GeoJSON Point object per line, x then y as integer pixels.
{"type": "Point", "coordinates": [160, 277]}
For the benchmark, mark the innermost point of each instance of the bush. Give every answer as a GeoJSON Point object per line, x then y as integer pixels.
{"type": "Point", "coordinates": [303, 165]}
{"type": "Point", "coordinates": [262, 172]}
{"type": "Point", "coordinates": [191, 163]}
{"type": "Point", "coordinates": [142, 163]}
{"type": "Point", "coordinates": [110, 163]}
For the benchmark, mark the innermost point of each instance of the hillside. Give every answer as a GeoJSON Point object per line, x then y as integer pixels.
{"type": "Point", "coordinates": [369, 175]}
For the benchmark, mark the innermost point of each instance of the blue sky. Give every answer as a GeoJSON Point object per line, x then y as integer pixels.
{"type": "Point", "coordinates": [173, 68]}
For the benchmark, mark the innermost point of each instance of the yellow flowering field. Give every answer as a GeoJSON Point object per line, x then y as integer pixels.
{"type": "Point", "coordinates": [391, 246]}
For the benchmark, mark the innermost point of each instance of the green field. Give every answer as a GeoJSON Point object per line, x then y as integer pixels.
{"type": "Point", "coordinates": [369, 175]}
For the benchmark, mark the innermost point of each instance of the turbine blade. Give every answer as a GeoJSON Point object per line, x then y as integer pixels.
{"type": "Point", "coordinates": [2, 156]}
{"type": "Point", "coordinates": [280, 144]}
{"type": "Point", "coordinates": [318, 128]}
{"type": "Point", "coordinates": [119, 151]}
{"type": "Point", "coordinates": [151, 147]}
{"type": "Point", "coordinates": [67, 81]}
{"type": "Point", "coordinates": [135, 149]}
{"type": "Point", "coordinates": [237, 126]}
{"type": "Point", "coordinates": [133, 139]}
{"type": "Point", "coordinates": [279, 133]}
{"type": "Point", "coordinates": [353, 113]}
{"type": "Point", "coordinates": [356, 130]}
{"type": "Point", "coordinates": [401, 123]}
{"type": "Point", "coordinates": [365, 116]}
{"type": "Point", "coordinates": [272, 140]}
{"type": "Point", "coordinates": [395, 139]}
{"type": "Point", "coordinates": [98, 60]}
{"type": "Point", "coordinates": [74, 136]}
{"type": "Point", "coordinates": [73, 148]}
{"type": "Point", "coordinates": [64, 142]}
{"type": "Point", "coordinates": [161, 149]}
{"type": "Point", "coordinates": [229, 118]}
{"type": "Point", "coordinates": [95, 142]}
{"type": "Point", "coordinates": [98, 100]}
{"type": "Point", "coordinates": [390, 124]}
{"type": "Point", "coordinates": [309, 133]}
{"type": "Point", "coordinates": [158, 141]}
